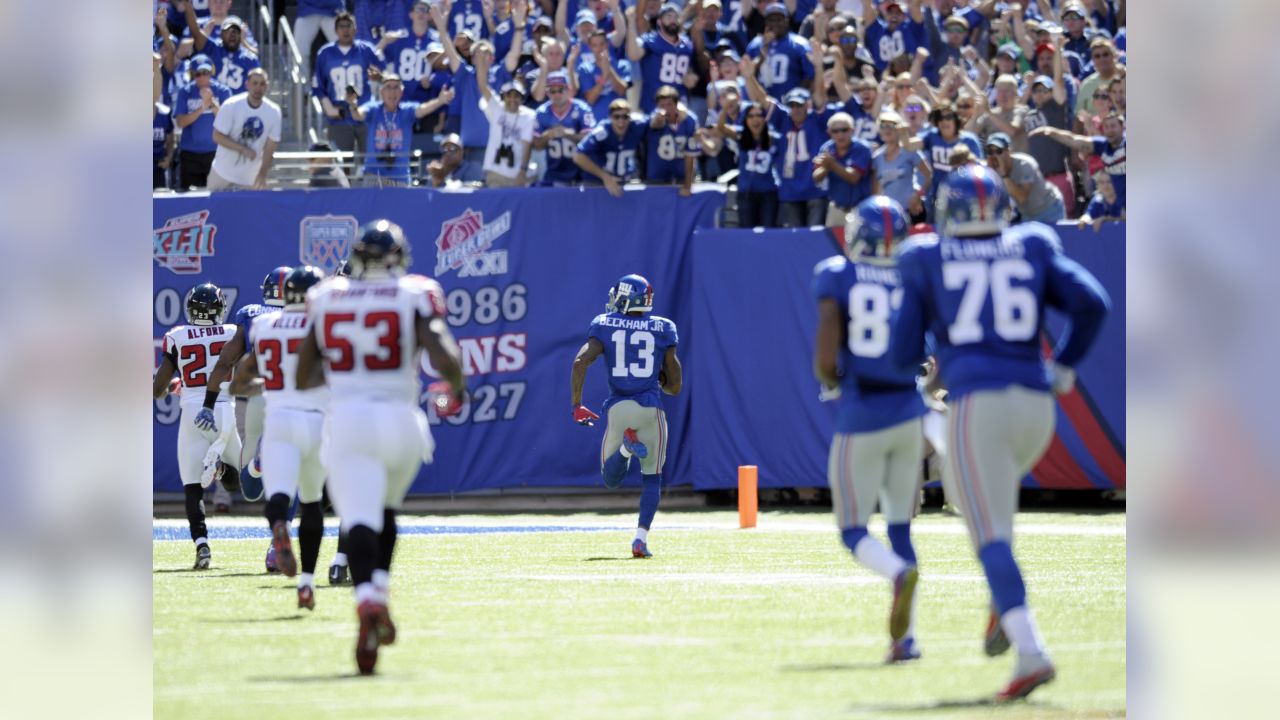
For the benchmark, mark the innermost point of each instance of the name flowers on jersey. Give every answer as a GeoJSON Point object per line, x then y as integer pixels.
{"type": "Point", "coordinates": [182, 242]}
{"type": "Point", "coordinates": [325, 240]}
{"type": "Point", "coordinates": [464, 242]}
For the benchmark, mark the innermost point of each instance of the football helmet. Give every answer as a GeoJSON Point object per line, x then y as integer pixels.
{"type": "Point", "coordinates": [205, 304]}
{"type": "Point", "coordinates": [273, 286]}
{"type": "Point", "coordinates": [344, 270]}
{"type": "Point", "coordinates": [972, 201]}
{"type": "Point", "coordinates": [382, 250]}
{"type": "Point", "coordinates": [874, 229]}
{"type": "Point", "coordinates": [632, 293]}
{"type": "Point", "coordinates": [300, 279]}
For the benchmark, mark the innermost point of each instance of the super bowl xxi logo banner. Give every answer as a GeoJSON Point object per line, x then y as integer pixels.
{"type": "Point", "coordinates": [493, 352]}
{"type": "Point", "coordinates": [325, 240]}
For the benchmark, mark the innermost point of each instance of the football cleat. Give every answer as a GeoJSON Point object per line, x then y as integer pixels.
{"type": "Point", "coordinates": [283, 545]}
{"type": "Point", "coordinates": [338, 575]}
{"type": "Point", "coordinates": [203, 557]}
{"type": "Point", "coordinates": [902, 651]}
{"type": "Point", "coordinates": [633, 445]}
{"type": "Point", "coordinates": [255, 466]}
{"type": "Point", "coordinates": [386, 628]}
{"type": "Point", "coordinates": [306, 598]}
{"type": "Point", "coordinates": [370, 614]}
{"type": "Point", "coordinates": [904, 589]}
{"type": "Point", "coordinates": [1031, 672]}
{"type": "Point", "coordinates": [270, 562]}
{"type": "Point", "coordinates": [995, 642]}
{"type": "Point", "coordinates": [640, 549]}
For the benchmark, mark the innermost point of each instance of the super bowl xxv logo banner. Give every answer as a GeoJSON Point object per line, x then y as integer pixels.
{"type": "Point", "coordinates": [493, 352]}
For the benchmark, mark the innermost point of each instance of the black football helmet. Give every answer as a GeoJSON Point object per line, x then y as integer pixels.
{"type": "Point", "coordinates": [344, 270]}
{"type": "Point", "coordinates": [273, 286]}
{"type": "Point", "coordinates": [205, 304]}
{"type": "Point", "coordinates": [300, 279]}
{"type": "Point", "coordinates": [381, 249]}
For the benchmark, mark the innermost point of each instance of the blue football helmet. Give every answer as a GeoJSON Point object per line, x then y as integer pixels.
{"type": "Point", "coordinates": [875, 228]}
{"type": "Point", "coordinates": [972, 201]}
{"type": "Point", "coordinates": [632, 293]}
{"type": "Point", "coordinates": [205, 304]}
{"type": "Point", "coordinates": [273, 286]}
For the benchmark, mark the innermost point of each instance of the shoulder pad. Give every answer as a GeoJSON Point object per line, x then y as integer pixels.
{"type": "Point", "coordinates": [835, 263]}
{"type": "Point", "coordinates": [917, 243]}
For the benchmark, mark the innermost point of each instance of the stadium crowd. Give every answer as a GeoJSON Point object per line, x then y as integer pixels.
{"type": "Point", "coordinates": [806, 106]}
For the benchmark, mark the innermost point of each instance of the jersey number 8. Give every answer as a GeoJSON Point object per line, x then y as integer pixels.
{"type": "Point", "coordinates": [870, 306]}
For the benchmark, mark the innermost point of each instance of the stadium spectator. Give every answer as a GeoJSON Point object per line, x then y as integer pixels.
{"type": "Point", "coordinates": [506, 157]}
{"type": "Point", "coordinates": [1004, 117]}
{"type": "Point", "coordinates": [1075, 26]}
{"type": "Point", "coordinates": [343, 68]}
{"type": "Point", "coordinates": [314, 17]}
{"type": "Point", "coordinates": [892, 34]}
{"type": "Point", "coordinates": [937, 144]}
{"type": "Point", "coordinates": [1104, 206]}
{"type": "Point", "coordinates": [375, 18]}
{"type": "Point", "coordinates": [1110, 147]}
{"type": "Point", "coordinates": [442, 171]}
{"type": "Point", "coordinates": [247, 130]}
{"type": "Point", "coordinates": [389, 129]}
{"type": "Point", "coordinates": [1090, 123]}
{"type": "Point", "coordinates": [719, 156]}
{"type": "Point", "coordinates": [817, 22]}
{"type": "Point", "coordinates": [413, 56]}
{"type": "Point", "coordinates": [843, 169]}
{"type": "Point", "coordinates": [550, 58]}
{"type": "Point", "coordinates": [801, 203]}
{"type": "Point", "coordinates": [325, 172]}
{"type": "Point", "coordinates": [854, 58]}
{"type": "Point", "coordinates": [1103, 53]}
{"type": "Point", "coordinates": [211, 24]}
{"type": "Point", "coordinates": [193, 112]}
{"type": "Point", "coordinates": [1050, 105]}
{"type": "Point", "coordinates": [758, 148]}
{"type": "Point", "coordinates": [163, 144]}
{"type": "Point", "coordinates": [602, 75]}
{"type": "Point", "coordinates": [231, 60]}
{"type": "Point", "coordinates": [1119, 90]}
{"type": "Point", "coordinates": [662, 56]}
{"type": "Point", "coordinates": [916, 112]}
{"type": "Point", "coordinates": [672, 143]}
{"type": "Point", "coordinates": [896, 168]}
{"type": "Point", "coordinates": [561, 124]}
{"type": "Point", "coordinates": [1035, 199]}
{"type": "Point", "coordinates": [782, 56]}
{"type": "Point", "coordinates": [608, 153]}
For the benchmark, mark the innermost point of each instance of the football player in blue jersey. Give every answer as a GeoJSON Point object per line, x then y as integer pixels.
{"type": "Point", "coordinates": [641, 354]}
{"type": "Point", "coordinates": [561, 123]}
{"type": "Point", "coordinates": [879, 439]}
{"type": "Point", "coordinates": [980, 289]}
{"type": "Point", "coordinates": [663, 56]}
{"type": "Point", "coordinates": [671, 142]}
{"type": "Point", "coordinates": [782, 56]}
{"type": "Point", "coordinates": [608, 153]}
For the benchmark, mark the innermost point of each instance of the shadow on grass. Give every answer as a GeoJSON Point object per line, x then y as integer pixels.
{"type": "Point", "coordinates": [1017, 707]}
{"type": "Point", "coordinates": [310, 678]}
{"type": "Point", "coordinates": [237, 621]}
{"type": "Point", "coordinates": [210, 573]}
{"type": "Point", "coordinates": [294, 587]}
{"type": "Point", "coordinates": [833, 667]}
{"type": "Point", "coordinates": [607, 559]}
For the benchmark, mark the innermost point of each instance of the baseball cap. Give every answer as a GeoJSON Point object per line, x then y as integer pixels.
{"type": "Point", "coordinates": [1044, 80]}
{"type": "Point", "coordinates": [711, 3]}
{"type": "Point", "coordinates": [1010, 50]}
{"type": "Point", "coordinates": [434, 48]}
{"type": "Point", "coordinates": [511, 85]}
{"type": "Point", "coordinates": [796, 96]}
{"type": "Point", "coordinates": [421, 2]}
{"type": "Point", "coordinates": [1049, 26]}
{"type": "Point", "coordinates": [557, 78]}
{"type": "Point", "coordinates": [464, 32]}
{"type": "Point", "coordinates": [585, 16]}
{"type": "Point", "coordinates": [543, 22]}
{"type": "Point", "coordinates": [231, 21]}
{"type": "Point", "coordinates": [955, 20]}
{"type": "Point", "coordinates": [889, 116]}
{"type": "Point", "coordinates": [451, 139]}
{"type": "Point", "coordinates": [776, 9]}
{"type": "Point", "coordinates": [999, 139]}
{"type": "Point", "coordinates": [1045, 48]}
{"type": "Point", "coordinates": [730, 54]}
{"type": "Point", "coordinates": [891, 3]}
{"type": "Point", "coordinates": [669, 7]}
{"type": "Point", "coordinates": [1073, 7]}
{"type": "Point", "coordinates": [201, 63]}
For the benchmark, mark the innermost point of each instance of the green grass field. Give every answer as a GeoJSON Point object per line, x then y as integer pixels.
{"type": "Point", "coordinates": [776, 622]}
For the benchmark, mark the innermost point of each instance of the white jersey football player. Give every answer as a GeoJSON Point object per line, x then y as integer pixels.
{"type": "Point", "coordinates": [291, 436]}
{"type": "Point", "coordinates": [366, 335]}
{"type": "Point", "coordinates": [191, 351]}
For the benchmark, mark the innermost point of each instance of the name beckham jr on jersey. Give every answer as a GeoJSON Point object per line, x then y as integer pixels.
{"type": "Point", "coordinates": [631, 324]}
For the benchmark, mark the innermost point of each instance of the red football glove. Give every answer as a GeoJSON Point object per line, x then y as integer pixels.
{"type": "Point", "coordinates": [583, 416]}
{"type": "Point", "coordinates": [447, 404]}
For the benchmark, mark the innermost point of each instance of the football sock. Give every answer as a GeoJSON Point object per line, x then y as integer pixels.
{"type": "Point", "coordinates": [624, 452]}
{"type": "Point", "coordinates": [387, 546]}
{"type": "Point", "coordinates": [614, 470]}
{"type": "Point", "coordinates": [306, 579]}
{"type": "Point", "coordinates": [366, 592]}
{"type": "Point", "coordinates": [642, 534]}
{"type": "Point", "coordinates": [193, 497]}
{"type": "Point", "coordinates": [202, 541]}
{"type": "Point", "coordinates": [310, 532]}
{"type": "Point", "coordinates": [340, 558]}
{"type": "Point", "coordinates": [900, 541]}
{"type": "Point", "coordinates": [381, 580]}
{"type": "Point", "coordinates": [277, 508]}
{"type": "Point", "coordinates": [870, 552]}
{"type": "Point", "coordinates": [362, 553]}
{"type": "Point", "coordinates": [649, 497]}
{"type": "Point", "coordinates": [1003, 576]}
{"type": "Point", "coordinates": [1020, 625]}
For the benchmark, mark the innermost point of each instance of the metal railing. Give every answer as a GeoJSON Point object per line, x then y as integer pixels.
{"type": "Point", "coordinates": [306, 113]}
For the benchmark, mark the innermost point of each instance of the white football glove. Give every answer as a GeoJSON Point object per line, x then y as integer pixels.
{"type": "Point", "coordinates": [826, 394]}
{"type": "Point", "coordinates": [1063, 378]}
